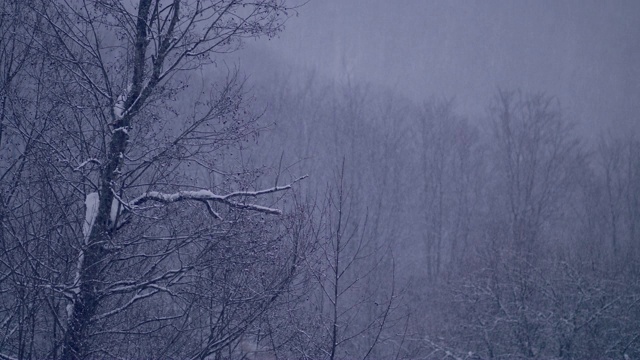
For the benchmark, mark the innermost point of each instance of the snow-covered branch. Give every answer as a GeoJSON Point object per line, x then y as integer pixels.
{"type": "Point", "coordinates": [137, 297]}
{"type": "Point", "coordinates": [87, 162]}
{"type": "Point", "coordinates": [7, 357]}
{"type": "Point", "coordinates": [265, 191]}
{"type": "Point", "coordinates": [208, 196]}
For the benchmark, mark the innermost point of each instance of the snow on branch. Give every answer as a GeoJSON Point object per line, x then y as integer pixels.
{"type": "Point", "coordinates": [85, 163]}
{"type": "Point", "coordinates": [7, 357]}
{"type": "Point", "coordinates": [207, 196]}
{"type": "Point", "coordinates": [266, 191]}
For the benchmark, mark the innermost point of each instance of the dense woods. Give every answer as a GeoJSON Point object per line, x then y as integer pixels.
{"type": "Point", "coordinates": [157, 204]}
{"type": "Point", "coordinates": [512, 236]}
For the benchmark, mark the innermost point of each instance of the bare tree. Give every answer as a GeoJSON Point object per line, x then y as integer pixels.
{"type": "Point", "coordinates": [135, 207]}
{"type": "Point", "coordinates": [617, 165]}
{"type": "Point", "coordinates": [346, 259]}
{"type": "Point", "coordinates": [450, 177]}
{"type": "Point", "coordinates": [536, 154]}
{"type": "Point", "coordinates": [24, 122]}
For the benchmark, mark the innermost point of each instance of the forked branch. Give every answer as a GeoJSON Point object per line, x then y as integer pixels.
{"type": "Point", "coordinates": [208, 196]}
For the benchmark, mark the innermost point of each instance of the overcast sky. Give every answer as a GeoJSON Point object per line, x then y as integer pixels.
{"type": "Point", "coordinates": [586, 52]}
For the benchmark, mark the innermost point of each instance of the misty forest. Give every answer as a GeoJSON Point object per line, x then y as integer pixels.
{"type": "Point", "coordinates": [161, 199]}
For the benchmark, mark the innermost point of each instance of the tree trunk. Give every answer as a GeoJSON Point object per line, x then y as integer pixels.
{"type": "Point", "coordinates": [92, 257]}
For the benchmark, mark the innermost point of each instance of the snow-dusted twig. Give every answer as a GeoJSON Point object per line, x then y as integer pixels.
{"type": "Point", "coordinates": [137, 297]}
{"type": "Point", "coordinates": [87, 162]}
{"type": "Point", "coordinates": [266, 191]}
{"type": "Point", "coordinates": [124, 129]}
{"type": "Point", "coordinates": [211, 211]}
{"type": "Point", "coordinates": [7, 357]}
{"type": "Point", "coordinates": [448, 353]}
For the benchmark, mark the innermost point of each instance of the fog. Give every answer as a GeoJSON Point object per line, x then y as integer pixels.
{"type": "Point", "coordinates": [586, 53]}
{"type": "Point", "coordinates": [323, 179]}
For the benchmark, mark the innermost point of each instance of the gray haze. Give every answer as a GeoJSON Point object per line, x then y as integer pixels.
{"type": "Point", "coordinates": [370, 185]}
{"type": "Point", "coordinates": [587, 53]}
